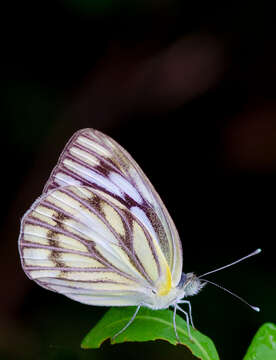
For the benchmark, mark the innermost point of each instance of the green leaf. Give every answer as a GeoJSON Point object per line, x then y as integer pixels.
{"type": "Point", "coordinates": [148, 325]}
{"type": "Point", "coordinates": [263, 346]}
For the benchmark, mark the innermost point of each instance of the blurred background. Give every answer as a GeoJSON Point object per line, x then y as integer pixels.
{"type": "Point", "coordinates": [188, 88]}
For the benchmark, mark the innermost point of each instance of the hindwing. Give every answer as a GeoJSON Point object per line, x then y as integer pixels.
{"type": "Point", "coordinates": [77, 242]}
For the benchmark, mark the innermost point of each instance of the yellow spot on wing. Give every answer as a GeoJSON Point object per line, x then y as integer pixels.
{"type": "Point", "coordinates": [165, 286]}
{"type": "Point", "coordinates": [144, 253]}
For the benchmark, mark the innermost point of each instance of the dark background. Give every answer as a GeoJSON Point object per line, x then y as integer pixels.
{"type": "Point", "coordinates": [189, 90]}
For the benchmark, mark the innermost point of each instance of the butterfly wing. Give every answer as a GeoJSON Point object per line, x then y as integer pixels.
{"type": "Point", "coordinates": [93, 159]}
{"type": "Point", "coordinates": [76, 242]}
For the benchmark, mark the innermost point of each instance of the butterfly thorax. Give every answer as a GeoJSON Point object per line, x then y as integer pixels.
{"type": "Point", "coordinates": [188, 285]}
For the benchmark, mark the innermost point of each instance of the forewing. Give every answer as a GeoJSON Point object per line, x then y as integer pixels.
{"type": "Point", "coordinates": [76, 242]}
{"type": "Point", "coordinates": [93, 159]}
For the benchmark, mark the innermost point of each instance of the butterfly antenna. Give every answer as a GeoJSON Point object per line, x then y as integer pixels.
{"type": "Point", "coordinates": [233, 263]}
{"type": "Point", "coordinates": [235, 295]}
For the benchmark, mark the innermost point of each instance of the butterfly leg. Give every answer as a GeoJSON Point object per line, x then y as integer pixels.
{"type": "Point", "coordinates": [127, 325]}
{"type": "Point", "coordinates": [187, 319]}
{"type": "Point", "coordinates": [190, 310]}
{"type": "Point", "coordinates": [174, 323]}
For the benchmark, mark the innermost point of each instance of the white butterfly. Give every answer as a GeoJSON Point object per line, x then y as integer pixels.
{"type": "Point", "coordinates": [100, 234]}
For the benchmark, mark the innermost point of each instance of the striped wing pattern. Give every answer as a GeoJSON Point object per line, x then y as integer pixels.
{"type": "Point", "coordinates": [99, 233]}
{"type": "Point", "coordinates": [93, 159]}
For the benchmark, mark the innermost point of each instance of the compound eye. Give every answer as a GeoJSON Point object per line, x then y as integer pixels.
{"type": "Point", "coordinates": [182, 280]}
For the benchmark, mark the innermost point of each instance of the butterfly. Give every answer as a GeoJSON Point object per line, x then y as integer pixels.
{"type": "Point", "coordinates": [100, 234]}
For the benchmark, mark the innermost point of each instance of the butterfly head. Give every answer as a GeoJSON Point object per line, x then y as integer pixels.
{"type": "Point", "coordinates": [190, 284]}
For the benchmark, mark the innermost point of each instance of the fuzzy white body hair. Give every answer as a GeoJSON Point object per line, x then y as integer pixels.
{"type": "Point", "coordinates": [190, 287]}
